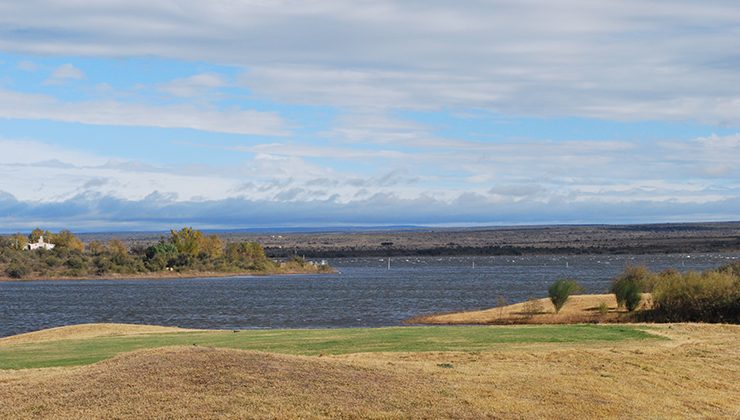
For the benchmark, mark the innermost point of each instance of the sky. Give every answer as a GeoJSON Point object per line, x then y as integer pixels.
{"type": "Point", "coordinates": [146, 115]}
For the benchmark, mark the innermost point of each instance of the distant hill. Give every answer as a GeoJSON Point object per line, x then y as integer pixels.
{"type": "Point", "coordinates": [495, 240]}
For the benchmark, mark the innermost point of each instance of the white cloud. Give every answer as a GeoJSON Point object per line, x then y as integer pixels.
{"type": "Point", "coordinates": [327, 152]}
{"type": "Point", "coordinates": [109, 112]}
{"type": "Point", "coordinates": [27, 65]}
{"type": "Point", "coordinates": [194, 85]}
{"type": "Point", "coordinates": [629, 59]}
{"type": "Point", "coordinates": [714, 156]}
{"type": "Point", "coordinates": [64, 73]}
{"type": "Point", "coordinates": [25, 152]}
{"type": "Point", "coordinates": [69, 186]}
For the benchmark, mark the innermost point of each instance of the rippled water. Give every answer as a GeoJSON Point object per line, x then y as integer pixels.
{"type": "Point", "coordinates": [364, 294]}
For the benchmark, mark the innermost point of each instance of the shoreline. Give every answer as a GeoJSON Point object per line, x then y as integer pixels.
{"type": "Point", "coordinates": [164, 276]}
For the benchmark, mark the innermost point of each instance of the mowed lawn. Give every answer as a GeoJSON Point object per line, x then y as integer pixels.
{"type": "Point", "coordinates": [72, 352]}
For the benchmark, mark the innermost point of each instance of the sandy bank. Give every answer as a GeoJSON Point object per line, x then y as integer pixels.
{"type": "Point", "coordinates": [578, 309]}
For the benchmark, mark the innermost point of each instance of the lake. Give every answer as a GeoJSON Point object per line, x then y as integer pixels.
{"type": "Point", "coordinates": [365, 293]}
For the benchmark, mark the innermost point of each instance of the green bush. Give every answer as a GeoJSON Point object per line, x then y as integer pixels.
{"type": "Point", "coordinates": [561, 290]}
{"type": "Point", "coordinates": [711, 296]}
{"type": "Point", "coordinates": [75, 262]}
{"type": "Point", "coordinates": [102, 264]}
{"type": "Point", "coordinates": [630, 285]}
{"type": "Point", "coordinates": [52, 261]}
{"type": "Point", "coordinates": [160, 256]}
{"type": "Point", "coordinates": [16, 271]}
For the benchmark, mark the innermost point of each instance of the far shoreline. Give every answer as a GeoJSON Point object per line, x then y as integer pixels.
{"type": "Point", "coordinates": [163, 276]}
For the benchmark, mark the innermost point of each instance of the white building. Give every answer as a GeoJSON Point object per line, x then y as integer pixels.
{"type": "Point", "coordinates": [40, 245]}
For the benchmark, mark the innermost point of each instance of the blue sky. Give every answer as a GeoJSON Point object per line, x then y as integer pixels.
{"type": "Point", "coordinates": [236, 114]}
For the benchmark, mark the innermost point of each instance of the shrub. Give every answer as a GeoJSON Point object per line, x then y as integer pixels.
{"type": "Point", "coordinates": [628, 287]}
{"type": "Point", "coordinates": [712, 296]}
{"type": "Point", "coordinates": [52, 261]}
{"type": "Point", "coordinates": [731, 268]}
{"type": "Point", "coordinates": [102, 264]}
{"type": "Point", "coordinates": [561, 290]}
{"type": "Point", "coordinates": [158, 257]}
{"type": "Point", "coordinates": [501, 302]}
{"type": "Point", "coordinates": [603, 308]}
{"type": "Point", "coordinates": [75, 262]}
{"type": "Point", "coordinates": [16, 271]}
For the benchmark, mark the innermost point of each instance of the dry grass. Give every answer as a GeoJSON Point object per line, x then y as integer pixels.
{"type": "Point", "coordinates": [204, 382]}
{"type": "Point", "coordinates": [84, 331]}
{"type": "Point", "coordinates": [694, 374]}
{"type": "Point", "coordinates": [578, 309]}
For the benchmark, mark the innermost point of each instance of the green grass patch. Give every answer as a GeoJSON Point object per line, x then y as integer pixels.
{"type": "Point", "coordinates": [314, 342]}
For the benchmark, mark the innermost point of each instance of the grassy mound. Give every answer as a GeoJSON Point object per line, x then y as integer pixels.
{"type": "Point", "coordinates": [694, 372]}
{"type": "Point", "coordinates": [84, 331]}
{"type": "Point", "coordinates": [71, 352]}
{"type": "Point", "coordinates": [163, 383]}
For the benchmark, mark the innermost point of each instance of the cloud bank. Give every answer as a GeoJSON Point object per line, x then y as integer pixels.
{"type": "Point", "coordinates": [157, 212]}
{"type": "Point", "coordinates": [628, 59]}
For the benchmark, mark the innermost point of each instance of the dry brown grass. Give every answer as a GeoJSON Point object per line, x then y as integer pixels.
{"type": "Point", "coordinates": [82, 331]}
{"type": "Point", "coordinates": [578, 309]}
{"type": "Point", "coordinates": [204, 382]}
{"type": "Point", "coordinates": [694, 374]}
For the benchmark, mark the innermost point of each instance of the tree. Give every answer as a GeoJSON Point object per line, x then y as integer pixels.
{"type": "Point", "coordinates": [159, 256]}
{"type": "Point", "coordinates": [561, 290]}
{"type": "Point", "coordinates": [18, 241]}
{"type": "Point", "coordinates": [187, 240]}
{"type": "Point", "coordinates": [119, 252]}
{"type": "Point", "coordinates": [96, 247]}
{"type": "Point", "coordinates": [212, 246]}
{"type": "Point", "coordinates": [628, 287]}
{"type": "Point", "coordinates": [247, 255]}
{"type": "Point", "coordinates": [66, 239]}
{"type": "Point", "coordinates": [117, 248]}
{"type": "Point", "coordinates": [38, 233]}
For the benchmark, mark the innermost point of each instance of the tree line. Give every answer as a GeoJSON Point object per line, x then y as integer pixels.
{"type": "Point", "coordinates": [185, 250]}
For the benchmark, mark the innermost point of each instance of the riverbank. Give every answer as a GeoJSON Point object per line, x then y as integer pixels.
{"type": "Point", "coordinates": [547, 371]}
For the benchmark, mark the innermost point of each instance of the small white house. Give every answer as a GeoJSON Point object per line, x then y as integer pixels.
{"type": "Point", "coordinates": [40, 245]}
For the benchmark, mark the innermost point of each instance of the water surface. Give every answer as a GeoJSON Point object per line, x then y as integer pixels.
{"type": "Point", "coordinates": [365, 293]}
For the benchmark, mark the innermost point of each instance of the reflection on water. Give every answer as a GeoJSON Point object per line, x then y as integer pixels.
{"type": "Point", "coordinates": [364, 294]}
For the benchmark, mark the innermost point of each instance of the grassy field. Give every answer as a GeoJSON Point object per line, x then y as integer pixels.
{"type": "Point", "coordinates": [72, 352]}
{"type": "Point", "coordinates": [544, 371]}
